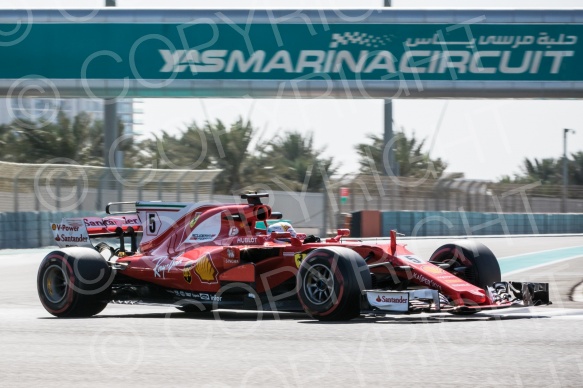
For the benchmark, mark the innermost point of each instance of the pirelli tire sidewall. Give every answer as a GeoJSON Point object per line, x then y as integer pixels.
{"type": "Point", "coordinates": [350, 276]}
{"type": "Point", "coordinates": [87, 288]}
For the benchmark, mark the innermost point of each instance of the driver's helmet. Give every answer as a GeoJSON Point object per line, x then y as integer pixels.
{"type": "Point", "coordinates": [281, 227]}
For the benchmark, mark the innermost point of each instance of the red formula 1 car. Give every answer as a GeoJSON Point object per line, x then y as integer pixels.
{"type": "Point", "coordinates": [206, 256]}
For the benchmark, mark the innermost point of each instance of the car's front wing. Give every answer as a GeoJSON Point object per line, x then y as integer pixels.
{"type": "Point", "coordinates": [500, 295]}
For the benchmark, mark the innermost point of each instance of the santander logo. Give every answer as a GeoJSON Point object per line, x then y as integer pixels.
{"type": "Point", "coordinates": [388, 299]}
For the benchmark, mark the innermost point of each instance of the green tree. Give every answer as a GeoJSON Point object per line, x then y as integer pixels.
{"type": "Point", "coordinates": [547, 171]}
{"type": "Point", "coordinates": [293, 158]}
{"type": "Point", "coordinates": [187, 150]}
{"type": "Point", "coordinates": [228, 149]}
{"type": "Point", "coordinates": [412, 160]}
{"type": "Point", "coordinates": [27, 142]}
{"type": "Point", "coordinates": [576, 169]}
{"type": "Point", "coordinates": [289, 159]}
{"type": "Point", "coordinates": [11, 149]}
{"type": "Point", "coordinates": [80, 139]}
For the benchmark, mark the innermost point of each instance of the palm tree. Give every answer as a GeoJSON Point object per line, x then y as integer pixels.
{"type": "Point", "coordinates": [188, 150]}
{"type": "Point", "coordinates": [80, 139]}
{"type": "Point", "coordinates": [409, 154]}
{"type": "Point", "coordinates": [576, 169]}
{"type": "Point", "coordinates": [296, 162]}
{"type": "Point", "coordinates": [40, 142]}
{"type": "Point", "coordinates": [228, 149]}
{"type": "Point", "coordinates": [547, 171]}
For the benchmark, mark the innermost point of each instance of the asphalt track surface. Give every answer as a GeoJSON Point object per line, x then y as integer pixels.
{"type": "Point", "coordinates": [158, 346]}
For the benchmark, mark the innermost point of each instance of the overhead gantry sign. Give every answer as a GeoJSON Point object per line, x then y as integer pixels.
{"type": "Point", "coordinates": [301, 54]}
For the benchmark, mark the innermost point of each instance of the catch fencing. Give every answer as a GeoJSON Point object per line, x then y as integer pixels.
{"type": "Point", "coordinates": [68, 187]}
{"type": "Point", "coordinates": [72, 187]}
{"type": "Point", "coordinates": [374, 192]}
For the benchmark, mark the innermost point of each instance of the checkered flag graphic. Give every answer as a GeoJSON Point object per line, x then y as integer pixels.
{"type": "Point", "coordinates": [360, 38]}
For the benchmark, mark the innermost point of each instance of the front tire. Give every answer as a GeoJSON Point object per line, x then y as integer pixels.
{"type": "Point", "coordinates": [330, 282]}
{"type": "Point", "coordinates": [481, 266]}
{"type": "Point", "coordinates": [74, 282]}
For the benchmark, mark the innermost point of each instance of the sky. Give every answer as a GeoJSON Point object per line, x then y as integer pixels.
{"type": "Point", "coordinates": [484, 139]}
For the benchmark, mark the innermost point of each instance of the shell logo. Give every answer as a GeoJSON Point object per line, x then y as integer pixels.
{"type": "Point", "coordinates": [205, 270]}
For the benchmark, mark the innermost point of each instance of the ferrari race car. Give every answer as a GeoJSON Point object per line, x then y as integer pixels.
{"type": "Point", "coordinates": [207, 256]}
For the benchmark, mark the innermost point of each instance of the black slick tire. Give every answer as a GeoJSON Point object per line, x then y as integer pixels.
{"type": "Point", "coordinates": [74, 282]}
{"type": "Point", "coordinates": [481, 266]}
{"type": "Point", "coordinates": [330, 282]}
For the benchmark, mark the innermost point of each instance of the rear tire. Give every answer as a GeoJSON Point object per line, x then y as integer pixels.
{"type": "Point", "coordinates": [74, 282]}
{"type": "Point", "coordinates": [330, 282]}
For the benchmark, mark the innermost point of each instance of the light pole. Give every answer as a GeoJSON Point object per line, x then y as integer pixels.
{"type": "Point", "coordinates": [565, 170]}
{"type": "Point", "coordinates": [110, 132]}
{"type": "Point", "coordinates": [389, 168]}
{"type": "Point", "coordinates": [109, 120]}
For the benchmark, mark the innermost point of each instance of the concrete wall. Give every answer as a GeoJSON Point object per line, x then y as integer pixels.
{"type": "Point", "coordinates": [444, 223]}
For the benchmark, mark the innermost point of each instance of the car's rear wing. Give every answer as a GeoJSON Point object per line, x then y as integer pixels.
{"type": "Point", "coordinates": [108, 226]}
{"type": "Point", "coordinates": [77, 232]}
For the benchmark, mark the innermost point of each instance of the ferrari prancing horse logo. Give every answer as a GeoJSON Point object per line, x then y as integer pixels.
{"type": "Point", "coordinates": [299, 257]}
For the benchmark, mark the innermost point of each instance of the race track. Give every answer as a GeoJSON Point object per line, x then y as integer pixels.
{"type": "Point", "coordinates": [157, 346]}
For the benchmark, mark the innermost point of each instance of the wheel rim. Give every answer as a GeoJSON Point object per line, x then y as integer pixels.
{"type": "Point", "coordinates": [55, 284]}
{"type": "Point", "coordinates": [319, 284]}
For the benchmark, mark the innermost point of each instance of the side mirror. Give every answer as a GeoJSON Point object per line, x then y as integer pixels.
{"type": "Point", "coordinates": [343, 232]}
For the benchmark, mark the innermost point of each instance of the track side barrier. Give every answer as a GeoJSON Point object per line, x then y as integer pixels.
{"type": "Point", "coordinates": [418, 223]}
